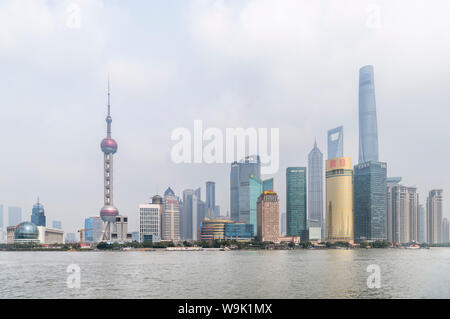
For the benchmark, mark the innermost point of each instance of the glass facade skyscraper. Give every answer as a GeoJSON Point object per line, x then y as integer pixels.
{"type": "Point", "coordinates": [38, 214]}
{"type": "Point", "coordinates": [296, 221]}
{"type": "Point", "coordinates": [256, 188]}
{"type": "Point", "coordinates": [315, 189]}
{"type": "Point", "coordinates": [368, 131]}
{"type": "Point", "coordinates": [94, 227]}
{"type": "Point", "coordinates": [189, 216]}
{"type": "Point", "coordinates": [370, 204]}
{"type": "Point", "coordinates": [210, 199]}
{"type": "Point", "coordinates": [336, 142]}
{"type": "Point", "coordinates": [239, 186]}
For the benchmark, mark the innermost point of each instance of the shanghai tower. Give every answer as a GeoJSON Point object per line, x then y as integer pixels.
{"type": "Point", "coordinates": [368, 132]}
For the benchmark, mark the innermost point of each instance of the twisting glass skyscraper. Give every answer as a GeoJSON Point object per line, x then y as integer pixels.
{"type": "Point", "coordinates": [315, 188]}
{"type": "Point", "coordinates": [368, 131]}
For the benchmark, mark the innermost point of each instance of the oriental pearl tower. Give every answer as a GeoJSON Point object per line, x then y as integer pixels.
{"type": "Point", "coordinates": [109, 212]}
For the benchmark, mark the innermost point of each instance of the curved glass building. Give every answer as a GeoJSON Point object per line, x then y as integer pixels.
{"type": "Point", "coordinates": [26, 232]}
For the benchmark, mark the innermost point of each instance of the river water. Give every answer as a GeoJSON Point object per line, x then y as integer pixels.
{"type": "Point", "coordinates": [404, 273]}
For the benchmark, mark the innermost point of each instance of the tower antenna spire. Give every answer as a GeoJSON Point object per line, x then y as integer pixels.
{"type": "Point", "coordinates": [109, 95]}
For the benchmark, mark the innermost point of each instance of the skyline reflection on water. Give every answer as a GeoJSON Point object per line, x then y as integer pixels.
{"type": "Point", "coordinates": [405, 273]}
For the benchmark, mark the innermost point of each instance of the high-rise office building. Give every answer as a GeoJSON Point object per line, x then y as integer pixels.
{"type": "Point", "coordinates": [336, 142]}
{"type": "Point", "coordinates": [370, 202]}
{"type": "Point", "coordinates": [368, 131]}
{"type": "Point", "coordinates": [268, 207]}
{"type": "Point", "coordinates": [315, 189]}
{"type": "Point", "coordinates": [421, 224]}
{"type": "Point", "coordinates": [190, 215]}
{"type": "Point", "coordinates": [434, 216]}
{"type": "Point", "coordinates": [339, 200]}
{"type": "Point", "coordinates": [239, 186]}
{"type": "Point", "coordinates": [14, 216]}
{"type": "Point", "coordinates": [94, 227]}
{"type": "Point", "coordinates": [445, 231]}
{"type": "Point", "coordinates": [150, 221]}
{"type": "Point", "coordinates": [170, 221]}
{"type": "Point", "coordinates": [38, 214]}
{"type": "Point", "coordinates": [56, 224]}
{"type": "Point", "coordinates": [296, 219]}
{"type": "Point", "coordinates": [210, 199]}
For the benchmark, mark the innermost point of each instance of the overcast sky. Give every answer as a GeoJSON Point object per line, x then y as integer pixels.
{"type": "Point", "coordinates": [290, 64]}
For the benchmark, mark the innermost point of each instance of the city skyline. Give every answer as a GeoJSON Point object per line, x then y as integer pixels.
{"type": "Point", "coordinates": [71, 110]}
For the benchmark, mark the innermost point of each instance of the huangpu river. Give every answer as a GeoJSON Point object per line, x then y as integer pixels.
{"type": "Point", "coordinates": [340, 273]}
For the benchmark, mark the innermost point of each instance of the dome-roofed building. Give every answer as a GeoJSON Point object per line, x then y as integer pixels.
{"type": "Point", "coordinates": [157, 199]}
{"type": "Point", "coordinates": [26, 232]}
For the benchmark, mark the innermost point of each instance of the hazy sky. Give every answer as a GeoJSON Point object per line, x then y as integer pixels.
{"type": "Point", "coordinates": [290, 64]}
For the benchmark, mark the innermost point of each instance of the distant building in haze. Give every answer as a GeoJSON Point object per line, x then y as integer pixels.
{"type": "Point", "coordinates": [296, 219]}
{"type": "Point", "coordinates": [370, 201]}
{"type": "Point", "coordinates": [421, 224]}
{"type": "Point", "coordinates": [14, 216]}
{"type": "Point", "coordinates": [283, 224]}
{"type": "Point", "coordinates": [445, 231]}
{"type": "Point", "coordinates": [268, 223]}
{"type": "Point", "coordinates": [368, 131]}
{"type": "Point", "coordinates": [70, 238]}
{"type": "Point", "coordinates": [315, 189]}
{"type": "Point", "coordinates": [217, 211]}
{"type": "Point", "coordinates": [1, 217]}
{"type": "Point", "coordinates": [339, 200]}
{"type": "Point", "coordinates": [434, 216]}
{"type": "Point", "coordinates": [56, 224]}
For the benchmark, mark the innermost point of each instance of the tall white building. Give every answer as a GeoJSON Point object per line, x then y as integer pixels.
{"type": "Point", "coordinates": [434, 216]}
{"type": "Point", "coordinates": [402, 213]}
{"type": "Point", "coordinates": [170, 218]}
{"type": "Point", "coordinates": [149, 222]}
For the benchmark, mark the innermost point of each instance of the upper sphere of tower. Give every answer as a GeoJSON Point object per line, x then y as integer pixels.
{"type": "Point", "coordinates": [109, 146]}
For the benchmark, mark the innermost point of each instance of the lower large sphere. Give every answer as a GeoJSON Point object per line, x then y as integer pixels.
{"type": "Point", "coordinates": [108, 213]}
{"type": "Point", "coordinates": [109, 146]}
